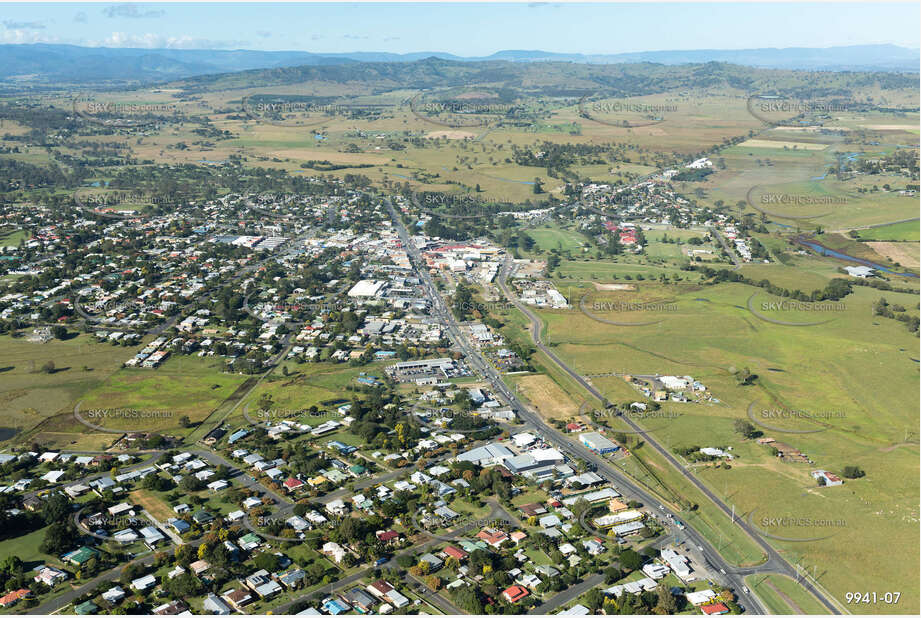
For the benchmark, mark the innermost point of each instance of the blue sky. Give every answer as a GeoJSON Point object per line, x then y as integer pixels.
{"type": "Point", "coordinates": [462, 29]}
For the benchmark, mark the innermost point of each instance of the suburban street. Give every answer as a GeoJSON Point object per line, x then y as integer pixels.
{"type": "Point", "coordinates": [574, 449]}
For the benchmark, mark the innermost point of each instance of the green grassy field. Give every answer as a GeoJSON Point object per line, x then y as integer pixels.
{"type": "Point", "coordinates": [834, 368]}
{"type": "Point", "coordinates": [32, 399]}
{"type": "Point", "coordinates": [908, 231]}
{"type": "Point", "coordinates": [26, 548]}
{"type": "Point", "coordinates": [182, 386]}
{"type": "Point", "coordinates": [782, 595]}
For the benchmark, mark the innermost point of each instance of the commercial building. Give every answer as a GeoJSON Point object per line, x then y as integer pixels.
{"type": "Point", "coordinates": [598, 442]}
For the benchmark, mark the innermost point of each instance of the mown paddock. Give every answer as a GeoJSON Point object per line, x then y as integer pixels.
{"type": "Point", "coordinates": [837, 366]}
{"type": "Point", "coordinates": [780, 594]}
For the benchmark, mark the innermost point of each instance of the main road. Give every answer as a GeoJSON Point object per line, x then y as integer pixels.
{"type": "Point", "coordinates": [775, 563]}
{"type": "Point", "coordinates": [731, 576]}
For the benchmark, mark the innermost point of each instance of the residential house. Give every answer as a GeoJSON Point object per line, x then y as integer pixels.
{"type": "Point", "coordinates": [515, 593]}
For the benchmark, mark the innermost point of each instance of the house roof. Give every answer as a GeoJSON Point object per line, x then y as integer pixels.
{"type": "Point", "coordinates": [388, 535]}
{"type": "Point", "coordinates": [714, 608]}
{"type": "Point", "coordinates": [515, 593]}
{"type": "Point", "coordinates": [455, 552]}
{"type": "Point", "coordinates": [493, 537]}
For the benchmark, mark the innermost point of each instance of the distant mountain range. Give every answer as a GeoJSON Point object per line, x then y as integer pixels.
{"type": "Point", "coordinates": [46, 64]}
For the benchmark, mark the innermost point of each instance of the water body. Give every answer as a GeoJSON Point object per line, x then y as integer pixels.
{"type": "Point", "coordinates": [8, 433]}
{"type": "Point", "coordinates": [843, 256]}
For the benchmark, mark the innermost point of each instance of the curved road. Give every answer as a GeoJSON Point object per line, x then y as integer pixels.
{"type": "Point", "coordinates": [708, 555]}
{"type": "Point", "coordinates": [775, 562]}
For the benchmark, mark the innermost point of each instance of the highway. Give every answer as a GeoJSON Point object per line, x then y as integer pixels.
{"type": "Point", "coordinates": [774, 563]}
{"type": "Point", "coordinates": [705, 553]}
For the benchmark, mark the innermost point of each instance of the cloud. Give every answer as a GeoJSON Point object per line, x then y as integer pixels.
{"type": "Point", "coordinates": [131, 11]}
{"type": "Point", "coordinates": [20, 37]}
{"type": "Point", "coordinates": [80, 17]}
{"type": "Point", "coordinates": [264, 33]}
{"type": "Point", "coordinates": [23, 25]}
{"type": "Point", "coordinates": [355, 37]}
{"type": "Point", "coordinates": [158, 41]}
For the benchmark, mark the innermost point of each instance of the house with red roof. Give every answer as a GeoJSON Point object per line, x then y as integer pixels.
{"type": "Point", "coordinates": [714, 609]}
{"type": "Point", "coordinates": [455, 552]}
{"type": "Point", "coordinates": [14, 597]}
{"type": "Point", "coordinates": [293, 484]}
{"type": "Point", "coordinates": [515, 593]}
{"type": "Point", "coordinates": [492, 537]}
{"type": "Point", "coordinates": [388, 536]}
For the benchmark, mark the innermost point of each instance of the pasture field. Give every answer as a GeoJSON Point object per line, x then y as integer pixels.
{"type": "Point", "coordinates": [903, 254]}
{"type": "Point", "coordinates": [896, 232]}
{"type": "Point", "coordinates": [11, 237]}
{"type": "Point", "coordinates": [832, 371]}
{"type": "Point", "coordinates": [306, 385]}
{"type": "Point", "coordinates": [782, 595]}
{"type": "Point", "coordinates": [548, 238]}
{"type": "Point", "coordinates": [545, 395]}
{"type": "Point", "coordinates": [152, 503]}
{"type": "Point", "coordinates": [31, 397]}
{"type": "Point", "coordinates": [182, 386]}
{"type": "Point", "coordinates": [26, 547]}
{"type": "Point", "coordinates": [849, 246]}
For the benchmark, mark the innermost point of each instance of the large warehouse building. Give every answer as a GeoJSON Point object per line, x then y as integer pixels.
{"type": "Point", "coordinates": [598, 442]}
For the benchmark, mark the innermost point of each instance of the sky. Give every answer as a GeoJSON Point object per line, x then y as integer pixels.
{"type": "Point", "coordinates": [464, 29]}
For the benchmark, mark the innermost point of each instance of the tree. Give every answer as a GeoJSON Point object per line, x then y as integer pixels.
{"type": "Point", "coordinates": [60, 537]}
{"type": "Point", "coordinates": [745, 428]}
{"type": "Point", "coordinates": [433, 582]}
{"type": "Point", "coordinates": [185, 421]}
{"type": "Point", "coordinates": [630, 560]}
{"type": "Point", "coordinates": [666, 604]}
{"type": "Point", "coordinates": [594, 599]}
{"type": "Point", "coordinates": [55, 508]}
{"type": "Point", "coordinates": [853, 472]}
{"type": "Point", "coordinates": [266, 560]}
{"type": "Point", "coordinates": [48, 367]}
